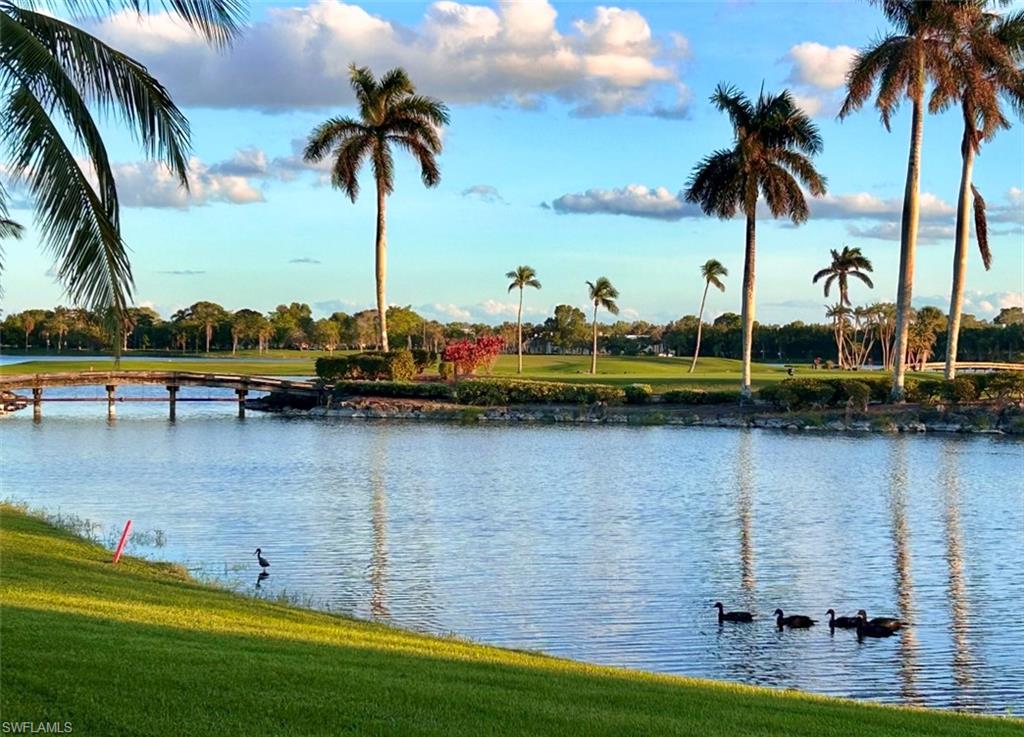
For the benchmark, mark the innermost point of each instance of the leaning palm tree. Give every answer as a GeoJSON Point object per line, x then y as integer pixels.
{"type": "Point", "coordinates": [602, 294]}
{"type": "Point", "coordinates": [902, 63]}
{"type": "Point", "coordinates": [987, 52]}
{"type": "Point", "coordinates": [53, 78]}
{"type": "Point", "coordinates": [712, 271]}
{"type": "Point", "coordinates": [522, 277]}
{"type": "Point", "coordinates": [773, 141]}
{"type": "Point", "coordinates": [846, 263]}
{"type": "Point", "coordinates": [391, 114]}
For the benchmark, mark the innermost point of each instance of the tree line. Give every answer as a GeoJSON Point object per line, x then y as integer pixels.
{"type": "Point", "coordinates": [207, 326]}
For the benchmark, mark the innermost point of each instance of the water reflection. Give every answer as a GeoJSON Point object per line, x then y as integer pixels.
{"type": "Point", "coordinates": [605, 544]}
{"type": "Point", "coordinates": [959, 620]}
{"type": "Point", "coordinates": [904, 581]}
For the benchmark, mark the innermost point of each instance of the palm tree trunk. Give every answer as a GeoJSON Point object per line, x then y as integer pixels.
{"type": "Point", "coordinates": [381, 266]}
{"type": "Point", "coordinates": [748, 305]}
{"type": "Point", "coordinates": [908, 242]}
{"type": "Point", "coordinates": [234, 343]}
{"type": "Point", "coordinates": [519, 332]}
{"type": "Point", "coordinates": [963, 230]}
{"type": "Point", "coordinates": [593, 355]}
{"type": "Point", "coordinates": [700, 325]}
{"type": "Point", "coordinates": [209, 331]}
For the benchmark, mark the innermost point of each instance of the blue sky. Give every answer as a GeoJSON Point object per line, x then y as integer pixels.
{"type": "Point", "coordinates": [561, 117]}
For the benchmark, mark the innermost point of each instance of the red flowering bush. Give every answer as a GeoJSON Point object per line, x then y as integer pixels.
{"type": "Point", "coordinates": [469, 355]}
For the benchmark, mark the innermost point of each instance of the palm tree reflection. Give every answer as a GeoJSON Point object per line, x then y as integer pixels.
{"type": "Point", "coordinates": [904, 581]}
{"type": "Point", "coordinates": [744, 503]}
{"type": "Point", "coordinates": [958, 602]}
{"type": "Point", "coordinates": [379, 521]}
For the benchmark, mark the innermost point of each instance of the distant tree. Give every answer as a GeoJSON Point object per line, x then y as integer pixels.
{"type": "Point", "coordinates": [567, 328]}
{"type": "Point", "coordinates": [403, 323]}
{"type": "Point", "coordinates": [1010, 316]}
{"type": "Point", "coordinates": [366, 329]}
{"type": "Point", "coordinates": [773, 142]}
{"type": "Point", "coordinates": [712, 271]}
{"type": "Point", "coordinates": [602, 294]}
{"type": "Point", "coordinates": [390, 114]}
{"type": "Point", "coordinates": [326, 334]}
{"type": "Point", "coordinates": [209, 315]}
{"type": "Point", "coordinates": [840, 314]}
{"type": "Point", "coordinates": [728, 320]}
{"type": "Point", "coordinates": [246, 324]}
{"type": "Point", "coordinates": [846, 263]}
{"type": "Point", "coordinates": [522, 277]}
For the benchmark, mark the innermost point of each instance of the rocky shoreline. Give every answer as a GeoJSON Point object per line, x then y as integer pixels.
{"type": "Point", "coordinates": [981, 419]}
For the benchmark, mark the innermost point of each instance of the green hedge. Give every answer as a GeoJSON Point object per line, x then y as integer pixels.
{"type": "Point", "coordinates": [497, 392]}
{"type": "Point", "coordinates": [397, 365]}
{"type": "Point", "coordinates": [698, 396]}
{"type": "Point", "coordinates": [807, 393]}
{"type": "Point", "coordinates": [394, 389]}
{"type": "Point", "coordinates": [638, 393]}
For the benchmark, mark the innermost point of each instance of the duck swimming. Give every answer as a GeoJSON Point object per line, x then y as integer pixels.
{"type": "Point", "coordinates": [724, 616]}
{"type": "Point", "coordinates": [794, 621]}
{"type": "Point", "coordinates": [890, 623]}
{"type": "Point", "coordinates": [843, 623]}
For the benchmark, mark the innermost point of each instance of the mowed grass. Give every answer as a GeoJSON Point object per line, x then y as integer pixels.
{"type": "Point", "coordinates": [139, 649]}
{"type": "Point", "coordinates": [660, 372]}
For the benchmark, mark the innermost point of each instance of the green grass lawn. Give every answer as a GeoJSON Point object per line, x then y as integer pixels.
{"type": "Point", "coordinates": [661, 373]}
{"type": "Point", "coordinates": [139, 649]}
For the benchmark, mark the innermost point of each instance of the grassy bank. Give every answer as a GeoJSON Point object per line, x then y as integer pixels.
{"type": "Point", "coordinates": [661, 373]}
{"type": "Point", "coordinates": [141, 650]}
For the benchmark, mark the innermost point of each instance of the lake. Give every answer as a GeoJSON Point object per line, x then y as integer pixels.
{"type": "Point", "coordinates": [603, 544]}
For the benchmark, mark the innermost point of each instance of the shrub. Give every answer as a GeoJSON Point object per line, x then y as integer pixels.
{"type": "Point", "coordinates": [922, 390]}
{"type": "Point", "coordinates": [331, 369]}
{"type": "Point", "coordinates": [1006, 385]}
{"type": "Point", "coordinates": [423, 359]}
{"type": "Point", "coordinates": [447, 370]}
{"type": "Point", "coordinates": [369, 366]}
{"type": "Point", "coordinates": [469, 355]}
{"type": "Point", "coordinates": [857, 393]}
{"type": "Point", "coordinates": [400, 365]}
{"type": "Point", "coordinates": [697, 396]}
{"type": "Point", "coordinates": [487, 392]}
{"type": "Point", "coordinates": [395, 389]}
{"type": "Point", "coordinates": [768, 393]}
{"type": "Point", "coordinates": [638, 393]}
{"type": "Point", "coordinates": [803, 393]}
{"type": "Point", "coordinates": [959, 390]}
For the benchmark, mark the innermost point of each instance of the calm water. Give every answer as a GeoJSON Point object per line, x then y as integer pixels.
{"type": "Point", "coordinates": [601, 544]}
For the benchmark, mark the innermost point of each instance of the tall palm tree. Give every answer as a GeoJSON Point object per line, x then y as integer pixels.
{"type": "Point", "coordinates": [522, 277]}
{"type": "Point", "coordinates": [773, 142]}
{"type": "Point", "coordinates": [846, 263]}
{"type": "Point", "coordinates": [987, 52]}
{"type": "Point", "coordinates": [53, 77]}
{"type": "Point", "coordinates": [391, 114]}
{"type": "Point", "coordinates": [602, 294]}
{"type": "Point", "coordinates": [712, 271]}
{"type": "Point", "coordinates": [902, 62]}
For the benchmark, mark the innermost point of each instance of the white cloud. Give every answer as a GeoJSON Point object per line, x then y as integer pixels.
{"type": "Point", "coordinates": [511, 54]}
{"type": "Point", "coordinates": [484, 193]}
{"type": "Point", "coordinates": [634, 199]}
{"type": "Point", "coordinates": [151, 184]}
{"type": "Point", "coordinates": [860, 205]}
{"type": "Point", "coordinates": [980, 304]}
{"type": "Point", "coordinates": [819, 66]}
{"type": "Point", "coordinates": [890, 231]}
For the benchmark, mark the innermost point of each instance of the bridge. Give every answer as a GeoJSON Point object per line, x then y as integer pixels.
{"type": "Point", "coordinates": [171, 380]}
{"type": "Point", "coordinates": [975, 366]}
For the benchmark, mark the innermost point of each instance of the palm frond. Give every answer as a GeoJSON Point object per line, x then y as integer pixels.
{"type": "Point", "coordinates": [330, 134]}
{"type": "Point", "coordinates": [348, 160]}
{"type": "Point", "coordinates": [92, 260]}
{"type": "Point", "coordinates": [981, 228]}
{"type": "Point", "coordinates": [863, 277]}
{"type": "Point", "coordinates": [430, 172]}
{"type": "Point", "coordinates": [716, 184]}
{"type": "Point", "coordinates": [821, 275]}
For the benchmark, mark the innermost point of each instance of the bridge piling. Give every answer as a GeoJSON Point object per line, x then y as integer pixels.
{"type": "Point", "coordinates": [172, 401]}
{"type": "Point", "coordinates": [111, 388]}
{"type": "Point", "coordinates": [37, 402]}
{"type": "Point", "coordinates": [241, 393]}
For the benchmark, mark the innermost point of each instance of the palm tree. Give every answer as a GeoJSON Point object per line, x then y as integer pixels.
{"type": "Point", "coordinates": [839, 314]}
{"type": "Point", "coordinates": [53, 75]}
{"type": "Point", "coordinates": [602, 294]}
{"type": "Point", "coordinates": [712, 271]}
{"type": "Point", "coordinates": [772, 145]}
{"type": "Point", "coordinates": [902, 62]}
{"type": "Point", "coordinates": [986, 58]}
{"type": "Point", "coordinates": [390, 114]}
{"type": "Point", "coordinates": [522, 276]}
{"type": "Point", "coordinates": [846, 263]}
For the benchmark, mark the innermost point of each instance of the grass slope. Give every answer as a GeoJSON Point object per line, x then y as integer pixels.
{"type": "Point", "coordinates": [139, 649]}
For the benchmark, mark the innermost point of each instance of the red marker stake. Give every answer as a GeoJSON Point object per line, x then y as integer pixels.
{"type": "Point", "coordinates": [124, 539]}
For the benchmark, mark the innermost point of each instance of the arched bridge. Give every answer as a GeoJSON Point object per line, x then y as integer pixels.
{"type": "Point", "coordinates": [975, 366]}
{"type": "Point", "coordinates": [171, 380]}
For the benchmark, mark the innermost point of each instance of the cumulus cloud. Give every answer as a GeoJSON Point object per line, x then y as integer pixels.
{"type": "Point", "coordinates": [860, 205]}
{"type": "Point", "coordinates": [890, 231]}
{"type": "Point", "coordinates": [980, 304]}
{"type": "Point", "coordinates": [818, 74]}
{"type": "Point", "coordinates": [634, 199]}
{"type": "Point", "coordinates": [484, 193]}
{"type": "Point", "coordinates": [509, 54]}
{"type": "Point", "coordinates": [303, 260]}
{"type": "Point", "coordinates": [151, 184]}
